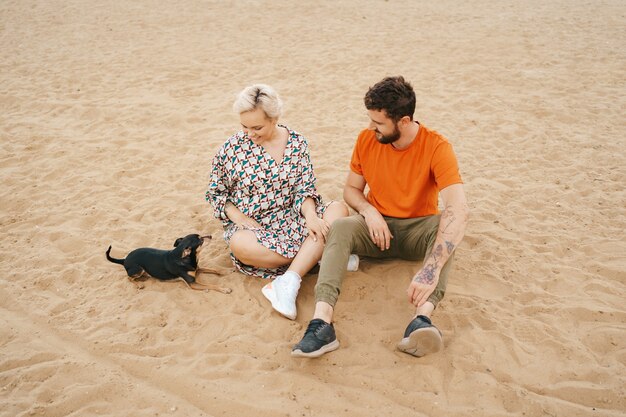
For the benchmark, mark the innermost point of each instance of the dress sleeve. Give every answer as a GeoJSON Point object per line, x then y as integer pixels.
{"type": "Point", "coordinates": [220, 184]}
{"type": "Point", "coordinates": [305, 187]}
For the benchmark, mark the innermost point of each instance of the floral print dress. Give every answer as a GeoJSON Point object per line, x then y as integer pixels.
{"type": "Point", "coordinates": [268, 191]}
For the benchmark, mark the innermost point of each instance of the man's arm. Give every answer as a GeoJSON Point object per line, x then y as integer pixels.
{"type": "Point", "coordinates": [354, 196]}
{"type": "Point", "coordinates": [353, 192]}
{"type": "Point", "coordinates": [451, 231]}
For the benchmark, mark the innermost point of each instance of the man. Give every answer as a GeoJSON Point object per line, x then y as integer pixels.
{"type": "Point", "coordinates": [406, 166]}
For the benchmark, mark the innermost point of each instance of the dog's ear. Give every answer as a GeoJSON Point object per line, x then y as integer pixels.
{"type": "Point", "coordinates": [186, 252]}
{"type": "Point", "coordinates": [177, 241]}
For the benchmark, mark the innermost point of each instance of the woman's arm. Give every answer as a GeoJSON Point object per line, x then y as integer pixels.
{"type": "Point", "coordinates": [318, 227]}
{"type": "Point", "coordinates": [219, 188]}
{"type": "Point", "coordinates": [220, 192]}
{"type": "Point", "coordinates": [236, 216]}
{"type": "Point", "coordinates": [305, 184]}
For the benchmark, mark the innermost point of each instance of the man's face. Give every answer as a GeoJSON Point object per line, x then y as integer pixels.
{"type": "Point", "coordinates": [386, 129]}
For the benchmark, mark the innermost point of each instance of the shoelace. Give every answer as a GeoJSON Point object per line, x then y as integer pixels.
{"type": "Point", "coordinates": [314, 326]}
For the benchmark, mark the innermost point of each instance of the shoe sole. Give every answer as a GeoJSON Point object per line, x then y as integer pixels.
{"type": "Point", "coordinates": [267, 294]}
{"type": "Point", "coordinates": [334, 345]}
{"type": "Point", "coordinates": [422, 342]}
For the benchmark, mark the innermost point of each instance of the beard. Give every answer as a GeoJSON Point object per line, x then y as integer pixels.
{"type": "Point", "coordinates": [387, 139]}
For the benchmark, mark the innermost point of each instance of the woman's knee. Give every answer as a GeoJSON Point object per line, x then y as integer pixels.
{"type": "Point", "coordinates": [241, 242]}
{"type": "Point", "coordinates": [247, 249]}
{"type": "Point", "coordinates": [335, 210]}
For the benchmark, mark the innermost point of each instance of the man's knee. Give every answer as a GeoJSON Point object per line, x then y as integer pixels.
{"type": "Point", "coordinates": [345, 227]}
{"type": "Point", "coordinates": [432, 228]}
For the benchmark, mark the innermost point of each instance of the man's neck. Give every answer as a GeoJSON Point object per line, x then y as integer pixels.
{"type": "Point", "coordinates": [407, 136]}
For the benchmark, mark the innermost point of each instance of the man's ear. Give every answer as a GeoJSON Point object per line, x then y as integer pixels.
{"type": "Point", "coordinates": [186, 252]}
{"type": "Point", "coordinates": [405, 121]}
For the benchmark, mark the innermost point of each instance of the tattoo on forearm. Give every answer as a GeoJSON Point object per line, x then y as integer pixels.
{"type": "Point", "coordinates": [449, 246]}
{"type": "Point", "coordinates": [427, 276]}
{"type": "Point", "coordinates": [437, 252]}
{"type": "Point", "coordinates": [447, 218]}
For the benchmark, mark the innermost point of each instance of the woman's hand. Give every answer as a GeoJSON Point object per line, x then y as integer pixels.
{"type": "Point", "coordinates": [246, 222]}
{"type": "Point", "coordinates": [318, 228]}
{"type": "Point", "coordinates": [236, 216]}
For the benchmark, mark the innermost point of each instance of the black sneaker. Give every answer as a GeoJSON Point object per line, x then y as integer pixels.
{"type": "Point", "coordinates": [421, 337]}
{"type": "Point", "coordinates": [319, 338]}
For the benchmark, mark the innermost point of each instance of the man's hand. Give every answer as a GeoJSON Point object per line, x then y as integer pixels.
{"type": "Point", "coordinates": [449, 234]}
{"type": "Point", "coordinates": [377, 226]}
{"type": "Point", "coordinates": [422, 285]}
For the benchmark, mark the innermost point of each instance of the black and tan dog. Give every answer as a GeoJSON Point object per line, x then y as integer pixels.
{"type": "Point", "coordinates": [173, 264]}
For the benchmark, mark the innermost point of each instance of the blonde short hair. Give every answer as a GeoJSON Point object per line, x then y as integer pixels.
{"type": "Point", "coordinates": [259, 95]}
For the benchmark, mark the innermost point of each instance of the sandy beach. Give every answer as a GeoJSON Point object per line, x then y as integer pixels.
{"type": "Point", "coordinates": [111, 113]}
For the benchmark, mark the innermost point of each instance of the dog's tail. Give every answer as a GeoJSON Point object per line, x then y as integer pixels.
{"type": "Point", "coordinates": [114, 260]}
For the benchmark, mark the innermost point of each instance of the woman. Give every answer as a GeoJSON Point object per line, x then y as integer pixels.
{"type": "Point", "coordinates": [262, 187]}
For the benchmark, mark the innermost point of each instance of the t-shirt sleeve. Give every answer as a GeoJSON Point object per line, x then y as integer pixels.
{"type": "Point", "coordinates": [444, 166]}
{"type": "Point", "coordinates": [355, 162]}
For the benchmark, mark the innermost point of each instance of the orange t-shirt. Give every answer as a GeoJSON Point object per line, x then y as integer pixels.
{"type": "Point", "coordinates": [405, 183]}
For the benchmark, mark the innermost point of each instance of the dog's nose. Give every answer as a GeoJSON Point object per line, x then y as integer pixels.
{"type": "Point", "coordinates": [207, 237]}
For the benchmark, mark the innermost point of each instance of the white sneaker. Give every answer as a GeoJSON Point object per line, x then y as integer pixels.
{"type": "Point", "coordinates": [353, 263]}
{"type": "Point", "coordinates": [282, 293]}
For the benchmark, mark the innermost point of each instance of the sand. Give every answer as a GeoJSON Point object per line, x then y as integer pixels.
{"type": "Point", "coordinates": [112, 111]}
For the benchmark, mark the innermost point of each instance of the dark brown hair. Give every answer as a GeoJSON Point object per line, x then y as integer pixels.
{"type": "Point", "coordinates": [394, 95]}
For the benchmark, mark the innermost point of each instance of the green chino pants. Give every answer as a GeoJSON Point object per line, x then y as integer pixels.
{"type": "Point", "coordinates": [412, 240]}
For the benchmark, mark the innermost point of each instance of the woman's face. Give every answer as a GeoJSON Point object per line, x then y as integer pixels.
{"type": "Point", "coordinates": [257, 125]}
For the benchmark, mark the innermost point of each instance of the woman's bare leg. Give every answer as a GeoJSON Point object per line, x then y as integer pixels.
{"type": "Point", "coordinates": [282, 292]}
{"type": "Point", "coordinates": [246, 248]}
{"type": "Point", "coordinates": [311, 251]}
